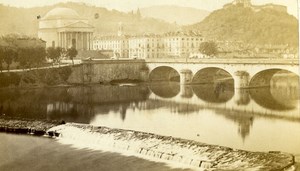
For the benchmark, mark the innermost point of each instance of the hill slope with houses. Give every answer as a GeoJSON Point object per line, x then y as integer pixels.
{"type": "Point", "coordinates": [184, 15]}
{"type": "Point", "coordinates": [25, 20]}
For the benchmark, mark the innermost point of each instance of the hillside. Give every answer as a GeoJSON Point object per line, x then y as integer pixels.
{"type": "Point", "coordinates": [171, 14]}
{"type": "Point", "coordinates": [243, 24]}
{"type": "Point", "coordinates": [24, 20]}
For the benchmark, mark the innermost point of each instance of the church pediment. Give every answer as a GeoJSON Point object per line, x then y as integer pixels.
{"type": "Point", "coordinates": [79, 24]}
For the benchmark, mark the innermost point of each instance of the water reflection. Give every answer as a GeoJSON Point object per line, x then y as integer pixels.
{"type": "Point", "coordinates": [214, 93]}
{"type": "Point", "coordinates": [211, 113]}
{"type": "Point", "coordinates": [165, 89]}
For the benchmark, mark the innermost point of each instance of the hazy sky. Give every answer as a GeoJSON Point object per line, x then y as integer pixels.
{"type": "Point", "coordinates": [127, 5]}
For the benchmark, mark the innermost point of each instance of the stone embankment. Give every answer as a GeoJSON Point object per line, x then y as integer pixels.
{"type": "Point", "coordinates": [170, 149]}
{"type": "Point", "coordinates": [151, 146]}
{"type": "Point", "coordinates": [26, 126]}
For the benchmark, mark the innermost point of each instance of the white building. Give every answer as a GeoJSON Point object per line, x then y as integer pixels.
{"type": "Point", "coordinates": [118, 44]}
{"type": "Point", "coordinates": [180, 44]}
{"type": "Point", "coordinates": [63, 27]}
{"type": "Point", "coordinates": [146, 46]}
{"type": "Point", "coordinates": [175, 44]}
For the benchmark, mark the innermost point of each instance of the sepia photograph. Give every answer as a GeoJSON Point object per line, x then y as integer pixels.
{"type": "Point", "coordinates": [149, 85]}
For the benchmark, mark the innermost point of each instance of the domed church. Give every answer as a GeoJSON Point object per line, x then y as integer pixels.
{"type": "Point", "coordinates": [63, 27]}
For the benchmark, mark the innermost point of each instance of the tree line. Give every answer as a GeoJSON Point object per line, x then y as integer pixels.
{"type": "Point", "coordinates": [30, 57]}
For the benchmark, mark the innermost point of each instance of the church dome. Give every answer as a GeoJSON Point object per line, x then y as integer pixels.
{"type": "Point", "coordinates": [61, 13]}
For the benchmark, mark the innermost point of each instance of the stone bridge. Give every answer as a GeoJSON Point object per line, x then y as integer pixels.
{"type": "Point", "coordinates": [245, 73]}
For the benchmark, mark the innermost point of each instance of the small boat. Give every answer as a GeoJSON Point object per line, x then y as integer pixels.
{"type": "Point", "coordinates": [127, 84]}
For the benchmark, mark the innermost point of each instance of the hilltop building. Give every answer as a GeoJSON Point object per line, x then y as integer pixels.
{"type": "Point", "coordinates": [63, 27]}
{"type": "Point", "coordinates": [247, 4]}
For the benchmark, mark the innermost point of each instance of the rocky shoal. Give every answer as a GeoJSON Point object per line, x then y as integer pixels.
{"type": "Point", "coordinates": [189, 152]}
{"type": "Point", "coordinates": [26, 126]}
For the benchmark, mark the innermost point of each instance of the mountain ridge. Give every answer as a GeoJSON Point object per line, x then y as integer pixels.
{"type": "Point", "coordinates": [184, 15]}
{"type": "Point", "coordinates": [266, 26]}
{"type": "Point", "coordinates": [24, 20]}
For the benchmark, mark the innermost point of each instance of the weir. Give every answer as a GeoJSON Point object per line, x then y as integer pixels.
{"type": "Point", "coordinates": [169, 149]}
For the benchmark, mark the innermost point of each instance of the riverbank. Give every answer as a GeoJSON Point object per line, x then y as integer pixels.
{"type": "Point", "coordinates": [151, 146]}
{"type": "Point", "coordinates": [26, 126]}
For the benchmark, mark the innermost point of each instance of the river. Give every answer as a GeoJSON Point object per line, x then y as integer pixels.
{"type": "Point", "coordinates": [258, 119]}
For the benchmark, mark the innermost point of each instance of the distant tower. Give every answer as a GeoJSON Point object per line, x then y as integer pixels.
{"type": "Point", "coordinates": [120, 29]}
{"type": "Point", "coordinates": [138, 13]}
{"type": "Point", "coordinates": [245, 3]}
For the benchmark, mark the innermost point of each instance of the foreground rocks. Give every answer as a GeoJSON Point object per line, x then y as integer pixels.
{"type": "Point", "coordinates": [26, 126]}
{"type": "Point", "coordinates": [188, 152]}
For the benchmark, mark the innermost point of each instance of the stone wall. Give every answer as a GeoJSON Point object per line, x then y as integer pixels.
{"type": "Point", "coordinates": [90, 72]}
{"type": "Point", "coordinates": [106, 71]}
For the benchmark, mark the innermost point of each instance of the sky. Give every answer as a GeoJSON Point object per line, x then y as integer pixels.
{"type": "Point", "coordinates": [128, 5]}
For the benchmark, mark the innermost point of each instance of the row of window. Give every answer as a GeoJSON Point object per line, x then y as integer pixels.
{"type": "Point", "coordinates": [113, 46]}
{"type": "Point", "coordinates": [136, 41]}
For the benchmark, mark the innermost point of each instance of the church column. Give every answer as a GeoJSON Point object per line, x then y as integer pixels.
{"type": "Point", "coordinates": [67, 40]}
{"type": "Point", "coordinates": [89, 40]}
{"type": "Point", "coordinates": [58, 39]}
{"type": "Point", "coordinates": [82, 42]}
{"type": "Point", "coordinates": [76, 40]}
{"type": "Point", "coordinates": [71, 39]}
{"type": "Point", "coordinates": [64, 39]}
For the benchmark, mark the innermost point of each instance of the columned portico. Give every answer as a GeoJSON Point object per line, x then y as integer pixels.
{"type": "Point", "coordinates": [63, 27]}
{"type": "Point", "coordinates": [68, 39]}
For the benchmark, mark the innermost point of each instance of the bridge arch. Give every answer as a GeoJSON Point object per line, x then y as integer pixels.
{"type": "Point", "coordinates": [265, 78]}
{"type": "Point", "coordinates": [213, 85]}
{"type": "Point", "coordinates": [164, 73]}
{"type": "Point", "coordinates": [212, 75]}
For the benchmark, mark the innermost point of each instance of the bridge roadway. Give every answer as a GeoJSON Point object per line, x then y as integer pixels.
{"type": "Point", "coordinates": [245, 72]}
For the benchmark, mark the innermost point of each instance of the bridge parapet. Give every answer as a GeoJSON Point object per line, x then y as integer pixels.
{"type": "Point", "coordinates": [242, 71]}
{"type": "Point", "coordinates": [224, 61]}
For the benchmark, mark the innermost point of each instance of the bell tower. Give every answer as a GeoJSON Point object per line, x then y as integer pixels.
{"type": "Point", "coordinates": [120, 29]}
{"type": "Point", "coordinates": [245, 3]}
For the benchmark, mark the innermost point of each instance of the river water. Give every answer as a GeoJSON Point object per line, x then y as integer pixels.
{"type": "Point", "coordinates": [260, 119]}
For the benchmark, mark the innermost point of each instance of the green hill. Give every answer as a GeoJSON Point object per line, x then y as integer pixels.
{"type": "Point", "coordinates": [237, 23]}
{"type": "Point", "coordinates": [24, 20]}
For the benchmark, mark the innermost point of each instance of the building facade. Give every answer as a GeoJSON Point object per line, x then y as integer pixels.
{"type": "Point", "coordinates": [146, 46]}
{"type": "Point", "coordinates": [117, 44]}
{"type": "Point", "coordinates": [175, 44]}
{"type": "Point", "coordinates": [63, 27]}
{"type": "Point", "coordinates": [257, 8]}
{"type": "Point", "coordinates": [181, 44]}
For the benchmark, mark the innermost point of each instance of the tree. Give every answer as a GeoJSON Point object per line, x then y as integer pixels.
{"type": "Point", "coordinates": [39, 55]}
{"type": "Point", "coordinates": [23, 57]}
{"type": "Point", "coordinates": [54, 54]}
{"type": "Point", "coordinates": [29, 57]}
{"type": "Point", "coordinates": [71, 53]}
{"type": "Point", "coordinates": [10, 55]}
{"type": "Point", "coordinates": [1, 58]}
{"type": "Point", "coordinates": [208, 48]}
